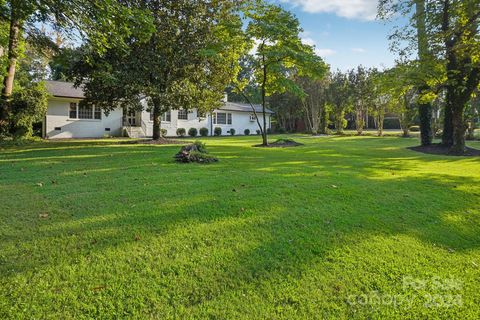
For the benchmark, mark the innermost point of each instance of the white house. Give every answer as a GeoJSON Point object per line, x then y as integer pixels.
{"type": "Point", "coordinates": [65, 118]}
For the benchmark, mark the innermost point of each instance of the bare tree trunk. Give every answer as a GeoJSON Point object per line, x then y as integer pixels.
{"type": "Point", "coordinates": [359, 119]}
{"type": "Point", "coordinates": [13, 44]}
{"type": "Point", "coordinates": [264, 83]}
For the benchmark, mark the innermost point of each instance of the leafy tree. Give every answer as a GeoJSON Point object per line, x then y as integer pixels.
{"type": "Point", "coordinates": [314, 103]}
{"type": "Point", "coordinates": [185, 62]}
{"type": "Point", "coordinates": [339, 98]}
{"type": "Point", "coordinates": [361, 95]}
{"type": "Point", "coordinates": [448, 45]}
{"type": "Point", "coordinates": [23, 17]}
{"type": "Point", "coordinates": [279, 55]}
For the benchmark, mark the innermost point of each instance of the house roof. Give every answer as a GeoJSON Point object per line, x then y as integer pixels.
{"type": "Point", "coordinates": [242, 107]}
{"type": "Point", "coordinates": [67, 90]}
{"type": "Point", "coordinates": [64, 89]}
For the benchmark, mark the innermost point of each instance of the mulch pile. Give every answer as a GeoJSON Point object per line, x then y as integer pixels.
{"type": "Point", "coordinates": [194, 152]}
{"type": "Point", "coordinates": [281, 143]}
{"type": "Point", "coordinates": [439, 149]}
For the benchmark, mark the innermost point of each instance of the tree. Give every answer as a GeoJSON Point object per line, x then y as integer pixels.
{"type": "Point", "coordinates": [460, 23]}
{"type": "Point", "coordinates": [361, 94]}
{"type": "Point", "coordinates": [339, 98]}
{"type": "Point", "coordinates": [279, 55]}
{"type": "Point", "coordinates": [185, 62]}
{"type": "Point", "coordinates": [90, 17]}
{"type": "Point", "coordinates": [448, 44]}
{"type": "Point", "coordinates": [314, 103]}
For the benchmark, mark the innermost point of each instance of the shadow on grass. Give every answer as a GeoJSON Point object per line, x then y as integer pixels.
{"type": "Point", "coordinates": [270, 214]}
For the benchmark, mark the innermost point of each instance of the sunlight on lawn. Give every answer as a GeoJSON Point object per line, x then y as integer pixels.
{"type": "Point", "coordinates": [122, 230]}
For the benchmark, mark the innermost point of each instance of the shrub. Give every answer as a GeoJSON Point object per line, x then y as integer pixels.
{"type": "Point", "coordinates": [181, 132]}
{"type": "Point", "coordinates": [217, 131]}
{"type": "Point", "coordinates": [269, 131]}
{"type": "Point", "coordinates": [258, 131]}
{"type": "Point", "coordinates": [232, 132]}
{"type": "Point", "coordinates": [415, 128]}
{"type": "Point", "coordinates": [203, 132]}
{"type": "Point", "coordinates": [246, 132]}
{"type": "Point", "coordinates": [192, 132]}
{"type": "Point", "coordinates": [281, 130]}
{"type": "Point", "coordinates": [163, 132]}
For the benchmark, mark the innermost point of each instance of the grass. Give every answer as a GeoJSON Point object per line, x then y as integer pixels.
{"type": "Point", "coordinates": [342, 227]}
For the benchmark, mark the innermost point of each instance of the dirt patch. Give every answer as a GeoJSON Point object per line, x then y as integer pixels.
{"type": "Point", "coordinates": [162, 141]}
{"type": "Point", "coordinates": [439, 149]}
{"type": "Point", "coordinates": [281, 143]}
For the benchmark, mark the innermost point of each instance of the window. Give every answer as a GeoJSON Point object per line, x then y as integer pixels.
{"type": "Point", "coordinates": [167, 116]}
{"type": "Point", "coordinates": [97, 113]}
{"type": "Point", "coordinates": [252, 118]}
{"type": "Point", "coordinates": [73, 110]}
{"type": "Point", "coordinates": [222, 118]}
{"type": "Point", "coordinates": [85, 112]}
{"type": "Point", "coordinates": [182, 114]}
{"type": "Point", "coordinates": [82, 111]}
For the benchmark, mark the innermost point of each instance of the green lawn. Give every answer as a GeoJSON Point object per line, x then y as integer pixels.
{"type": "Point", "coordinates": [343, 227]}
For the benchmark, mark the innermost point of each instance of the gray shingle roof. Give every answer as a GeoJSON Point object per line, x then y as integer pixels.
{"type": "Point", "coordinates": [234, 106]}
{"type": "Point", "coordinates": [64, 89]}
{"type": "Point", "coordinates": [67, 90]}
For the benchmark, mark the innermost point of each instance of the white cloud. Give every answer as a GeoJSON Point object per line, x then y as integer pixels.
{"type": "Point", "coordinates": [352, 9]}
{"type": "Point", "coordinates": [325, 52]}
{"type": "Point", "coordinates": [359, 50]}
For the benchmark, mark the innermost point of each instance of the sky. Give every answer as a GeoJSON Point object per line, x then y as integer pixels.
{"type": "Point", "coordinates": [344, 32]}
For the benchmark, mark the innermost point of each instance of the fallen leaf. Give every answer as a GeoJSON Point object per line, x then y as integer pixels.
{"type": "Point", "coordinates": [39, 184]}
{"type": "Point", "coordinates": [334, 186]}
{"type": "Point", "coordinates": [137, 238]}
{"type": "Point", "coordinates": [43, 215]}
{"type": "Point", "coordinates": [98, 288]}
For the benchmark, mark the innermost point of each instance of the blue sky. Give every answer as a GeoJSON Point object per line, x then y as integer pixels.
{"type": "Point", "coordinates": [344, 32]}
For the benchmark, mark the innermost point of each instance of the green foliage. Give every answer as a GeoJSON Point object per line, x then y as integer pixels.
{"type": "Point", "coordinates": [246, 132]}
{"type": "Point", "coordinates": [204, 132]}
{"type": "Point", "coordinates": [29, 105]}
{"type": "Point", "coordinates": [192, 132]}
{"type": "Point", "coordinates": [279, 55]}
{"type": "Point", "coordinates": [281, 130]}
{"type": "Point", "coordinates": [181, 132]}
{"type": "Point", "coordinates": [163, 132]}
{"type": "Point", "coordinates": [217, 131]}
{"type": "Point", "coordinates": [231, 131]}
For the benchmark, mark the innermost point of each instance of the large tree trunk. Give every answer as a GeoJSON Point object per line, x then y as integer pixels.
{"type": "Point", "coordinates": [425, 109]}
{"type": "Point", "coordinates": [459, 129]}
{"type": "Point", "coordinates": [426, 134]}
{"type": "Point", "coordinates": [156, 121]}
{"type": "Point", "coordinates": [13, 44]}
{"type": "Point", "coordinates": [447, 135]}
